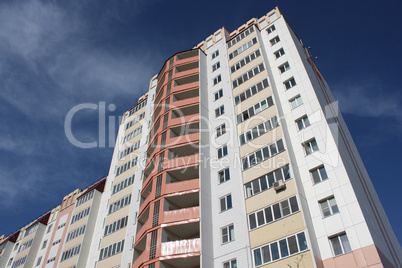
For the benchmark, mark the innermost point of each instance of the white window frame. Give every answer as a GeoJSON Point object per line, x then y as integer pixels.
{"type": "Point", "coordinates": [220, 130]}
{"type": "Point", "coordinates": [222, 151]}
{"type": "Point", "coordinates": [319, 170]}
{"type": "Point", "coordinates": [217, 79]}
{"type": "Point", "coordinates": [305, 122]}
{"type": "Point", "coordinates": [215, 54]}
{"type": "Point", "coordinates": [230, 236]}
{"type": "Point", "coordinates": [230, 263]}
{"type": "Point", "coordinates": [310, 146]}
{"type": "Point", "coordinates": [330, 204]}
{"type": "Point", "coordinates": [279, 53]}
{"type": "Point", "coordinates": [343, 241]}
{"type": "Point", "coordinates": [291, 82]}
{"type": "Point", "coordinates": [284, 67]}
{"type": "Point", "coordinates": [297, 102]}
{"type": "Point", "coordinates": [225, 175]}
{"type": "Point", "coordinates": [225, 201]}
{"type": "Point", "coordinates": [275, 40]}
{"type": "Point", "coordinates": [271, 29]}
{"type": "Point", "coordinates": [218, 94]}
{"type": "Point", "coordinates": [216, 66]}
{"type": "Point", "coordinates": [219, 111]}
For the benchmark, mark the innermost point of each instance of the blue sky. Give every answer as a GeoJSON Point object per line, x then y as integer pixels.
{"type": "Point", "coordinates": [55, 55]}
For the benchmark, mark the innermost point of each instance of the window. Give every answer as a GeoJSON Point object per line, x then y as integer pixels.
{"type": "Point", "coordinates": [258, 130]}
{"type": "Point", "coordinates": [273, 212]}
{"type": "Point", "coordinates": [274, 40]}
{"type": "Point", "coordinates": [224, 175]}
{"type": "Point", "coordinates": [216, 66]}
{"type": "Point", "coordinates": [289, 83]}
{"type": "Point", "coordinates": [39, 261]}
{"type": "Point", "coordinates": [319, 174]}
{"type": "Point", "coordinates": [248, 75]}
{"type": "Point", "coordinates": [80, 215]}
{"type": "Point", "coordinates": [230, 264]}
{"type": "Point", "coordinates": [115, 226]}
{"type": "Point", "coordinates": [75, 233]}
{"type": "Point", "coordinates": [255, 109]}
{"type": "Point", "coordinates": [280, 249]}
{"type": "Point", "coordinates": [223, 151]}
{"type": "Point", "coordinates": [251, 91]}
{"type": "Point", "coordinates": [227, 233]}
{"type": "Point", "coordinates": [243, 48]}
{"type": "Point", "coordinates": [49, 228]}
{"type": "Point", "coordinates": [84, 198]}
{"type": "Point", "coordinates": [245, 61]}
{"type": "Point", "coordinates": [70, 253]}
{"type": "Point", "coordinates": [220, 111]}
{"type": "Point", "coordinates": [217, 79]}
{"type": "Point", "coordinates": [266, 181]}
{"type": "Point", "coordinates": [10, 261]}
{"type": "Point", "coordinates": [226, 202]}
{"type": "Point", "coordinates": [240, 36]}
{"type": "Point", "coordinates": [215, 54]}
{"type": "Point", "coordinates": [218, 94]}
{"type": "Point", "coordinates": [44, 244]}
{"type": "Point", "coordinates": [262, 154]}
{"type": "Point", "coordinates": [296, 101]}
{"type": "Point", "coordinates": [119, 204]}
{"type": "Point", "coordinates": [271, 29]}
{"type": "Point", "coordinates": [279, 53]}
{"type": "Point", "coordinates": [111, 250]}
{"type": "Point", "coordinates": [302, 122]}
{"type": "Point", "coordinates": [220, 130]}
{"type": "Point", "coordinates": [328, 206]}
{"type": "Point", "coordinates": [310, 146]}
{"type": "Point", "coordinates": [123, 184]}
{"type": "Point", "coordinates": [340, 244]}
{"type": "Point", "coordinates": [284, 67]}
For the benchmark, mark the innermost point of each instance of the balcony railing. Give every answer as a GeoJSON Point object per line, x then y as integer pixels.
{"type": "Point", "coordinates": [180, 247]}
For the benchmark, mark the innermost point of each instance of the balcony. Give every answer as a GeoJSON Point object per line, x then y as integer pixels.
{"type": "Point", "coordinates": [147, 195]}
{"type": "Point", "coordinates": [179, 215]}
{"type": "Point", "coordinates": [143, 224]}
{"type": "Point", "coordinates": [186, 69]}
{"type": "Point", "coordinates": [141, 253]}
{"type": "Point", "coordinates": [181, 247]}
{"type": "Point", "coordinates": [184, 174]}
{"type": "Point", "coordinates": [188, 94]}
{"type": "Point", "coordinates": [187, 56]}
{"type": "Point", "coordinates": [187, 261]}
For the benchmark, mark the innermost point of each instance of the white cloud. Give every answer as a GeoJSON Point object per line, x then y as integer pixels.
{"type": "Point", "coordinates": [368, 100]}
{"type": "Point", "coordinates": [51, 65]}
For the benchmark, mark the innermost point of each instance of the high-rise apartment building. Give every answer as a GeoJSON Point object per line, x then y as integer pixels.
{"type": "Point", "coordinates": [237, 156]}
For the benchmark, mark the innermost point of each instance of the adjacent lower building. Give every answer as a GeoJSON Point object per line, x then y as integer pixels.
{"type": "Point", "coordinates": [236, 156]}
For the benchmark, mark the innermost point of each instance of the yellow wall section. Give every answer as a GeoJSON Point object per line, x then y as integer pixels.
{"type": "Point", "coordinates": [265, 167]}
{"type": "Point", "coordinates": [302, 260]}
{"type": "Point", "coordinates": [269, 197]}
{"type": "Point", "coordinates": [276, 230]}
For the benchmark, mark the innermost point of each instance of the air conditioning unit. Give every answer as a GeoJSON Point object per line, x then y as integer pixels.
{"type": "Point", "coordinates": [278, 185]}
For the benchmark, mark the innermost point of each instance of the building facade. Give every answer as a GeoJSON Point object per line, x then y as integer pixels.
{"type": "Point", "coordinates": [236, 156]}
